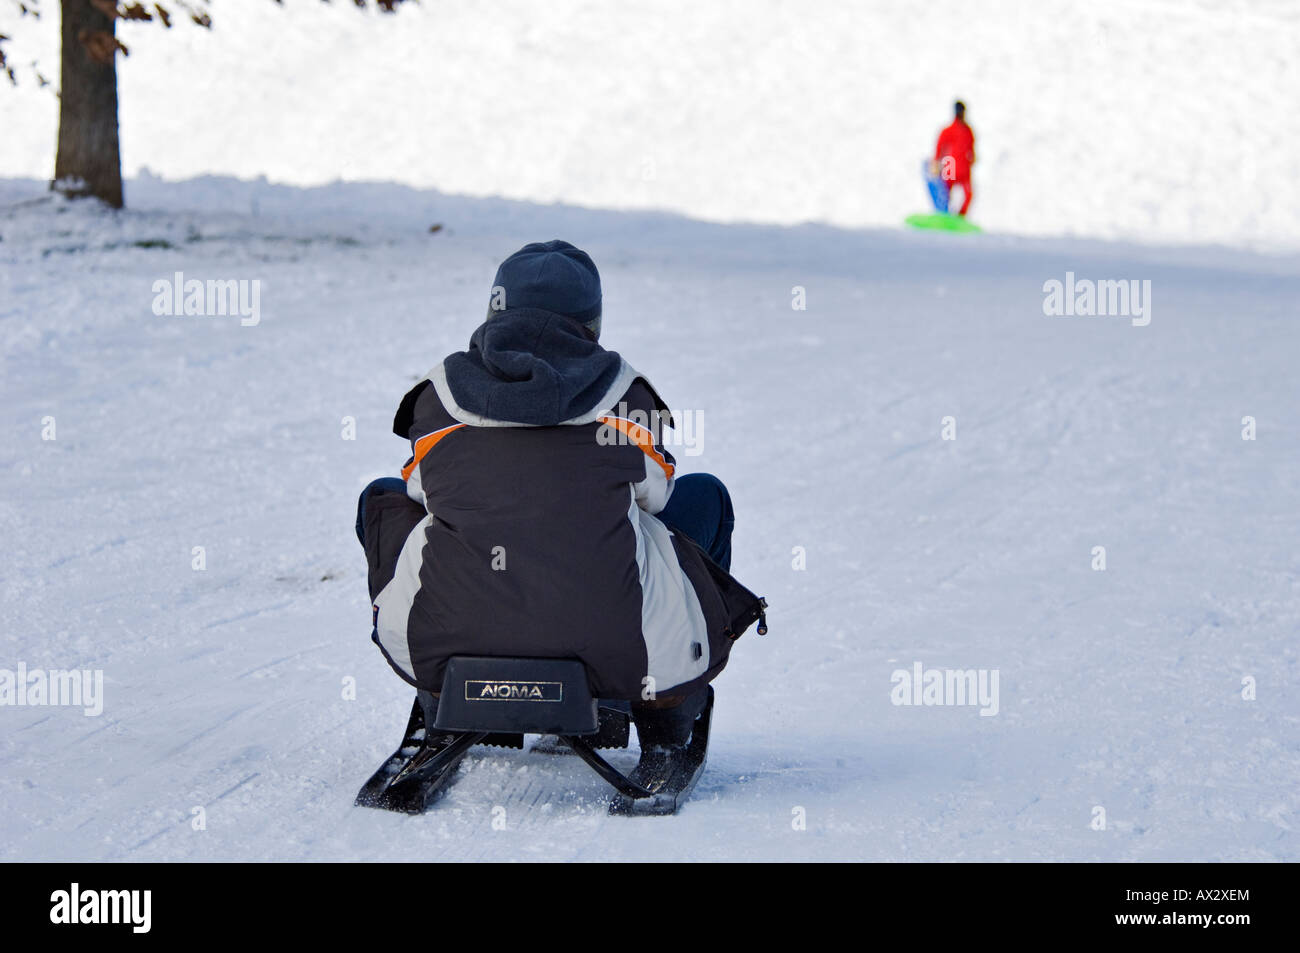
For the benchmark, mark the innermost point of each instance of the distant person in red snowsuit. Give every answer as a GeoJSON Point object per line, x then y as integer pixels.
{"type": "Point", "coordinates": [954, 154]}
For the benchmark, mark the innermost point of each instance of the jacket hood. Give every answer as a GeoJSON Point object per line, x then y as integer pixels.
{"type": "Point", "coordinates": [529, 366]}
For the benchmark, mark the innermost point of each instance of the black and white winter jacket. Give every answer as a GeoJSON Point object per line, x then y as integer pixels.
{"type": "Point", "coordinates": [528, 527]}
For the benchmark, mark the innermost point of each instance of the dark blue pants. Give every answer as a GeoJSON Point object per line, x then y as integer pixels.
{"type": "Point", "coordinates": [700, 508]}
{"type": "Point", "coordinates": [376, 487]}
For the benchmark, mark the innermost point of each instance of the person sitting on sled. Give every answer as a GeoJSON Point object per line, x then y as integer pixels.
{"type": "Point", "coordinates": [540, 515]}
{"type": "Point", "coordinates": [954, 154]}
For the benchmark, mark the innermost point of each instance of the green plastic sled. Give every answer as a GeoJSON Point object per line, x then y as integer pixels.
{"type": "Point", "coordinates": [942, 222]}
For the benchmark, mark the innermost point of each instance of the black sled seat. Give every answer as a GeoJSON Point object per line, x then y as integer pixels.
{"type": "Point", "coordinates": [499, 700]}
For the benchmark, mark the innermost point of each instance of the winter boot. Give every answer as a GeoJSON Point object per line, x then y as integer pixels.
{"type": "Point", "coordinates": [674, 743]}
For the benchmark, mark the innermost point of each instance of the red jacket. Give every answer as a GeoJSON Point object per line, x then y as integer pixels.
{"type": "Point", "coordinates": [957, 141]}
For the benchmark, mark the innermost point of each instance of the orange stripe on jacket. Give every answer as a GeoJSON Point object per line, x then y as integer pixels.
{"type": "Point", "coordinates": [643, 438]}
{"type": "Point", "coordinates": [424, 445]}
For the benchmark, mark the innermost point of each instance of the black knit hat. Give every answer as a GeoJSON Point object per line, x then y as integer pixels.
{"type": "Point", "coordinates": [551, 276]}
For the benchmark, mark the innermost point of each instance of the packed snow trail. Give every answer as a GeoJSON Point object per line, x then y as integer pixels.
{"type": "Point", "coordinates": [224, 688]}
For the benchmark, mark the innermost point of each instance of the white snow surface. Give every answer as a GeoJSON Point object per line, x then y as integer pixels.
{"type": "Point", "coordinates": [1119, 689]}
{"type": "Point", "coordinates": [1167, 120]}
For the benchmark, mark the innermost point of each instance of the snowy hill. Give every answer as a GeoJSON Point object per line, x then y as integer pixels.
{"type": "Point", "coordinates": [1119, 689]}
{"type": "Point", "coordinates": [1135, 119]}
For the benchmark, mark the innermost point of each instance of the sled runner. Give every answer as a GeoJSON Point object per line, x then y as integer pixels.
{"type": "Point", "coordinates": [497, 701]}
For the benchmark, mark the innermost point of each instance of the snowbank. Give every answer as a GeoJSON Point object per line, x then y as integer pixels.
{"type": "Point", "coordinates": [1136, 119]}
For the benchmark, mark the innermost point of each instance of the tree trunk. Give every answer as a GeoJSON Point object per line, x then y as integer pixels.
{"type": "Point", "coordinates": [88, 161]}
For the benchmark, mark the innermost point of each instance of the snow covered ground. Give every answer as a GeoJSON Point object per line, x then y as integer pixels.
{"type": "Point", "coordinates": [224, 688]}
{"type": "Point", "coordinates": [1171, 120]}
